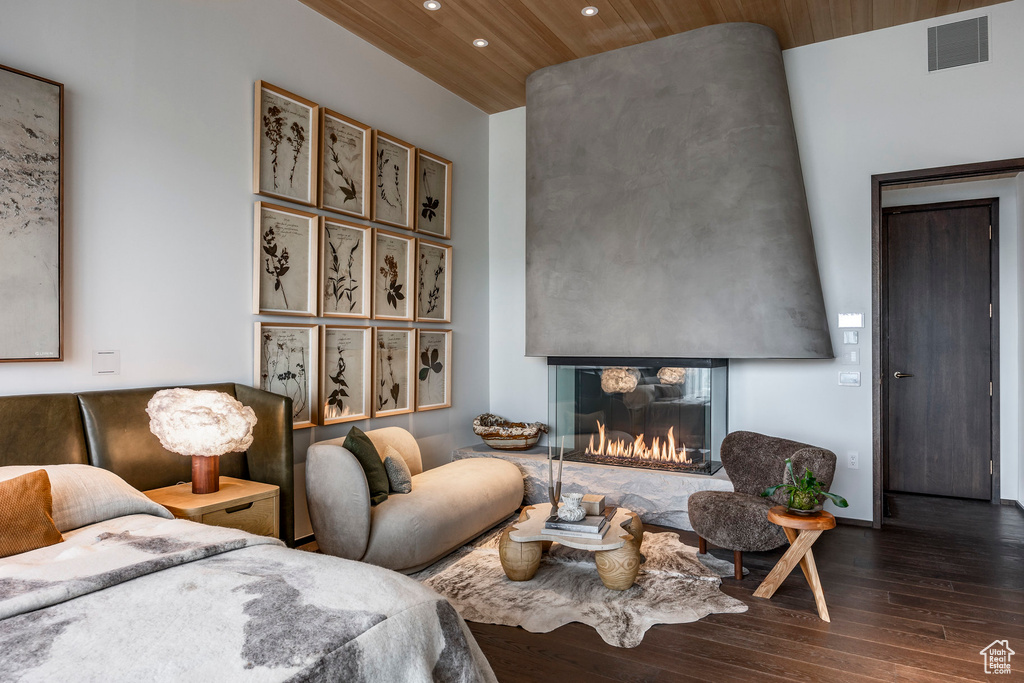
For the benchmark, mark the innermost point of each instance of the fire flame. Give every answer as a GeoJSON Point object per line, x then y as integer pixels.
{"type": "Point", "coordinates": [638, 450]}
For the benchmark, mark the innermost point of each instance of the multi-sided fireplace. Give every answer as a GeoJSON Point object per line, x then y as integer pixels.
{"type": "Point", "coordinates": [656, 413]}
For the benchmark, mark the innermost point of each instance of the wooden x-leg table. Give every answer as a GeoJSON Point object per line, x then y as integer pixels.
{"type": "Point", "coordinates": [802, 531]}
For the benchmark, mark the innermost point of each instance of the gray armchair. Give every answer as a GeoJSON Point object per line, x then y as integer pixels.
{"type": "Point", "coordinates": [738, 519]}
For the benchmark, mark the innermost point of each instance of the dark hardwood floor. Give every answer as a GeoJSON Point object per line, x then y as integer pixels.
{"type": "Point", "coordinates": [914, 601]}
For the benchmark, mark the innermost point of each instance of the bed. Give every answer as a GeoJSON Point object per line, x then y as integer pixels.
{"type": "Point", "coordinates": [133, 594]}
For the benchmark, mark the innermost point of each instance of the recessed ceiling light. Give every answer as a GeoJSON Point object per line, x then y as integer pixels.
{"type": "Point", "coordinates": [589, 11]}
{"type": "Point", "coordinates": [480, 42]}
{"type": "Point", "coordinates": [432, 4]}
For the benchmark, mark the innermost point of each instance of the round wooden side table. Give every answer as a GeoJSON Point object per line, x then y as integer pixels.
{"type": "Point", "coordinates": [802, 531]}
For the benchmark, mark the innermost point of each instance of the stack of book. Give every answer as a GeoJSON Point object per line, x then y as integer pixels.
{"type": "Point", "coordinates": [591, 526]}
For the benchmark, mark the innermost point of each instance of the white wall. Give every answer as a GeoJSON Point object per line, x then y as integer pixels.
{"type": "Point", "coordinates": [1009, 303]}
{"type": "Point", "coordinates": [863, 105]}
{"type": "Point", "coordinates": [518, 384]}
{"type": "Point", "coordinates": [158, 147]}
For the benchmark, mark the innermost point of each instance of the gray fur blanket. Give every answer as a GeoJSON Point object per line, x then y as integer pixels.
{"type": "Point", "coordinates": [140, 598]}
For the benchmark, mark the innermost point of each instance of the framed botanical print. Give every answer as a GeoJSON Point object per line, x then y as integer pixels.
{"type": "Point", "coordinates": [345, 373]}
{"type": "Point", "coordinates": [345, 262]}
{"type": "Point", "coordinates": [346, 151]}
{"type": "Point", "coordinates": [394, 349]}
{"type": "Point", "coordinates": [394, 169]}
{"type": "Point", "coordinates": [393, 266]}
{"type": "Point", "coordinates": [433, 282]}
{"type": "Point", "coordinates": [285, 142]}
{"type": "Point", "coordinates": [284, 261]}
{"type": "Point", "coordinates": [433, 195]}
{"type": "Point", "coordinates": [434, 369]}
{"type": "Point", "coordinates": [286, 364]}
{"type": "Point", "coordinates": [31, 217]}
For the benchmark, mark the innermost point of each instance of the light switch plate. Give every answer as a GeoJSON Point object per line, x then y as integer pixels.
{"type": "Point", "coordinates": [851, 337]}
{"type": "Point", "coordinates": [106, 362]}
{"type": "Point", "coordinates": [849, 379]}
{"type": "Point", "coordinates": [851, 320]}
{"type": "Point", "coordinates": [851, 357]}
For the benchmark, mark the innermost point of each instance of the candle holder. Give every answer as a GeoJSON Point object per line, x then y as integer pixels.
{"type": "Point", "coordinates": [555, 490]}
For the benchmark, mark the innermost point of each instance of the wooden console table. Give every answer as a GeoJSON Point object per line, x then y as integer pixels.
{"type": "Point", "coordinates": [802, 531]}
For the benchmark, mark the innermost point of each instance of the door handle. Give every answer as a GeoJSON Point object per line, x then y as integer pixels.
{"type": "Point", "coordinates": [901, 375]}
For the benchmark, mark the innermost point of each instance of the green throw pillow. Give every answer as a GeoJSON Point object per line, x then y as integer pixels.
{"type": "Point", "coordinates": [359, 444]}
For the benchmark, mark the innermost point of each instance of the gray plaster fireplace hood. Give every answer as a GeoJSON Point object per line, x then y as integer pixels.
{"type": "Point", "coordinates": [666, 213]}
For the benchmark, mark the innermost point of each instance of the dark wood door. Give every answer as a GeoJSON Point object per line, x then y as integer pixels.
{"type": "Point", "coordinates": [937, 348]}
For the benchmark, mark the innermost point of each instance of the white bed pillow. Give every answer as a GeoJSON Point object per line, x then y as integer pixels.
{"type": "Point", "coordinates": [83, 495]}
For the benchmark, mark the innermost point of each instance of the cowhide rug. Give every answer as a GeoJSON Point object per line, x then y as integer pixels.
{"type": "Point", "coordinates": [673, 587]}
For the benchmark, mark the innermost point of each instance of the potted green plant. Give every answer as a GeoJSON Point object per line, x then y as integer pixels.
{"type": "Point", "coordinates": [806, 495]}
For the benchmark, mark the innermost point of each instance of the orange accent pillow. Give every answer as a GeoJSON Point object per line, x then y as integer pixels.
{"type": "Point", "coordinates": [26, 514]}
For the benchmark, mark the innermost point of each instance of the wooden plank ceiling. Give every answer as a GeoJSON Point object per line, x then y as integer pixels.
{"type": "Point", "coordinates": [526, 35]}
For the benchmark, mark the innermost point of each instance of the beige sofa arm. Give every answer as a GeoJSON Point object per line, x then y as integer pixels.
{"type": "Point", "coordinates": [339, 500]}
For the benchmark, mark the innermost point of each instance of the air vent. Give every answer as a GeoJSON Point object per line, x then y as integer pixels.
{"type": "Point", "coordinates": [957, 44]}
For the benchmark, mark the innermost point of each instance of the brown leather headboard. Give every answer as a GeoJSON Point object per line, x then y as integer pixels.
{"type": "Point", "coordinates": [110, 429]}
{"type": "Point", "coordinates": [43, 429]}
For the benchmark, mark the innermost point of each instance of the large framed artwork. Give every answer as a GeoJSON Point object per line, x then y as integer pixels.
{"type": "Point", "coordinates": [284, 261]}
{"type": "Point", "coordinates": [433, 282]}
{"type": "Point", "coordinates": [393, 361]}
{"type": "Point", "coordinates": [433, 195]}
{"type": "Point", "coordinates": [394, 170]}
{"type": "Point", "coordinates": [345, 262]}
{"type": "Point", "coordinates": [434, 369]}
{"type": "Point", "coordinates": [393, 267]}
{"type": "Point", "coordinates": [286, 364]}
{"type": "Point", "coordinates": [346, 152]}
{"type": "Point", "coordinates": [285, 143]}
{"type": "Point", "coordinates": [31, 217]}
{"type": "Point", "coordinates": [345, 373]}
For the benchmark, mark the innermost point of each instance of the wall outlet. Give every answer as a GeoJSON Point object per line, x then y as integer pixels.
{"type": "Point", "coordinates": [852, 460]}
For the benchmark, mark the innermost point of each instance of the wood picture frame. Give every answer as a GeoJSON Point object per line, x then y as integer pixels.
{"type": "Point", "coordinates": [346, 370]}
{"type": "Point", "coordinates": [346, 160]}
{"type": "Point", "coordinates": [394, 267]}
{"type": "Point", "coordinates": [32, 218]}
{"type": "Point", "coordinates": [394, 351]}
{"type": "Point", "coordinates": [433, 195]}
{"type": "Point", "coordinates": [284, 261]}
{"type": "Point", "coordinates": [433, 369]}
{"type": "Point", "coordinates": [433, 282]}
{"type": "Point", "coordinates": [394, 173]}
{"type": "Point", "coordinates": [286, 139]}
{"type": "Point", "coordinates": [345, 265]}
{"type": "Point", "coordinates": [286, 363]}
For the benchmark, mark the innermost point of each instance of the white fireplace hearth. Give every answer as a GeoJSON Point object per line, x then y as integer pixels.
{"type": "Point", "coordinates": [658, 496]}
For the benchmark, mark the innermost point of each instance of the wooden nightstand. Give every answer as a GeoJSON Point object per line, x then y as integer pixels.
{"type": "Point", "coordinates": [240, 504]}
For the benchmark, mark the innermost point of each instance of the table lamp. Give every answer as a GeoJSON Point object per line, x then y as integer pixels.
{"type": "Point", "coordinates": [204, 425]}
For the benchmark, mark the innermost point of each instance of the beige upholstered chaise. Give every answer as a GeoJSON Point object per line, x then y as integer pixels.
{"type": "Point", "coordinates": [448, 505]}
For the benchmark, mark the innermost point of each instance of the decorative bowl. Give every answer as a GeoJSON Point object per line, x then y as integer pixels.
{"type": "Point", "coordinates": [500, 434]}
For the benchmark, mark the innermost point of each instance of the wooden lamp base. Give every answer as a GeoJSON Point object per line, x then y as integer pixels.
{"type": "Point", "coordinates": [205, 474]}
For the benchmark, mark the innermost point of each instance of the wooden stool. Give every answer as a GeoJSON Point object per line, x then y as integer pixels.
{"type": "Point", "coordinates": [802, 531]}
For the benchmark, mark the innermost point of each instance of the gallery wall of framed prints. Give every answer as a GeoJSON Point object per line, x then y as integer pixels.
{"type": "Point", "coordinates": [361, 261]}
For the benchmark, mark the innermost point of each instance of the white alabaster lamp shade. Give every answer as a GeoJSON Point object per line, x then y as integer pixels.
{"type": "Point", "coordinates": [619, 380]}
{"type": "Point", "coordinates": [201, 424]}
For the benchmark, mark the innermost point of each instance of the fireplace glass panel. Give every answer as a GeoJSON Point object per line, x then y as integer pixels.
{"type": "Point", "coordinates": [665, 414]}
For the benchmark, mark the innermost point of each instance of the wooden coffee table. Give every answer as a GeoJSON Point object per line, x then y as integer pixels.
{"type": "Point", "coordinates": [617, 552]}
{"type": "Point", "coordinates": [802, 531]}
